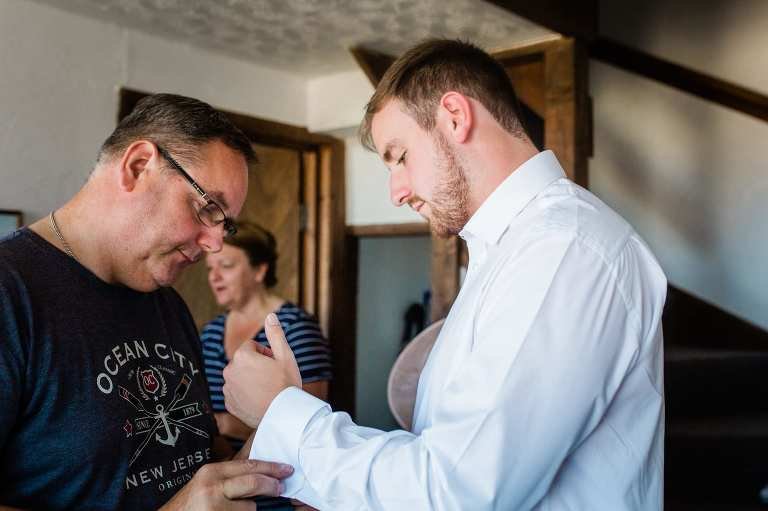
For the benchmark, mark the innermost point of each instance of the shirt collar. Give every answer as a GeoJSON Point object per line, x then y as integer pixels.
{"type": "Point", "coordinates": [494, 215]}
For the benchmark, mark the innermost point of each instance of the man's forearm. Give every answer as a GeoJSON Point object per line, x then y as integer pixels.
{"type": "Point", "coordinates": [231, 426]}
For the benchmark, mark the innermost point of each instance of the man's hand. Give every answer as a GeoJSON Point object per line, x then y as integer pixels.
{"type": "Point", "coordinates": [254, 378]}
{"type": "Point", "coordinates": [219, 485]}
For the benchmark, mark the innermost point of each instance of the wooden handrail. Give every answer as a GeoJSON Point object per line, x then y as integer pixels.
{"type": "Point", "coordinates": [705, 86]}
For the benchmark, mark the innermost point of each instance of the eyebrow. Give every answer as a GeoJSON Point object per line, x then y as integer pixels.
{"type": "Point", "coordinates": [219, 198]}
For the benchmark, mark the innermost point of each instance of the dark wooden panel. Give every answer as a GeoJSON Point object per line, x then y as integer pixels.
{"type": "Point", "coordinates": [445, 275]}
{"type": "Point", "coordinates": [309, 229]}
{"type": "Point", "coordinates": [521, 53]}
{"type": "Point", "coordinates": [193, 287]}
{"type": "Point", "coordinates": [343, 278]}
{"type": "Point", "coordinates": [527, 77]}
{"type": "Point", "coordinates": [567, 130]}
{"type": "Point", "coordinates": [373, 63]}
{"type": "Point", "coordinates": [273, 202]}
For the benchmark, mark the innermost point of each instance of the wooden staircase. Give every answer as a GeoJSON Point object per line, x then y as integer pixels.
{"type": "Point", "coordinates": [716, 389]}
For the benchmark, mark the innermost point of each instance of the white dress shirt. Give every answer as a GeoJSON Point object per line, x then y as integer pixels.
{"type": "Point", "coordinates": [543, 391]}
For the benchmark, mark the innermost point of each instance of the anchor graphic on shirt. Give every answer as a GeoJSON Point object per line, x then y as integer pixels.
{"type": "Point", "coordinates": [173, 415]}
{"type": "Point", "coordinates": [169, 438]}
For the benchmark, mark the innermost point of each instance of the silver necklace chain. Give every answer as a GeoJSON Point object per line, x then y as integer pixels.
{"type": "Point", "coordinates": [56, 230]}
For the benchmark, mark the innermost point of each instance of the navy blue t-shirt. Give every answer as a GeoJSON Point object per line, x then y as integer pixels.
{"type": "Point", "coordinates": [103, 399]}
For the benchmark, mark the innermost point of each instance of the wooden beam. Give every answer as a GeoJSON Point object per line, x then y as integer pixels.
{"type": "Point", "coordinates": [344, 338]}
{"type": "Point", "coordinates": [705, 86]}
{"type": "Point", "coordinates": [567, 128]}
{"type": "Point", "coordinates": [525, 51]}
{"type": "Point", "coordinates": [444, 275]}
{"type": "Point", "coordinates": [373, 63]}
{"type": "Point", "coordinates": [325, 240]}
{"type": "Point", "coordinates": [309, 231]}
{"type": "Point", "coordinates": [343, 294]}
{"type": "Point", "coordinates": [527, 78]}
{"type": "Point", "coordinates": [576, 18]}
{"type": "Point", "coordinates": [380, 230]}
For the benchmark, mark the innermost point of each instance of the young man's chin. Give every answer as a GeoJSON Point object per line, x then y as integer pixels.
{"type": "Point", "coordinates": [440, 231]}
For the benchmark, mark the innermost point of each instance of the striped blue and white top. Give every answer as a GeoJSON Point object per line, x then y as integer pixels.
{"type": "Point", "coordinates": [302, 332]}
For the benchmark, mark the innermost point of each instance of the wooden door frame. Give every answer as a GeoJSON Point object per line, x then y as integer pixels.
{"type": "Point", "coordinates": [327, 257]}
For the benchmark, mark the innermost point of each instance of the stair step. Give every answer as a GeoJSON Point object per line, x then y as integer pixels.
{"type": "Point", "coordinates": [704, 382]}
{"type": "Point", "coordinates": [691, 504]}
{"type": "Point", "coordinates": [717, 458]}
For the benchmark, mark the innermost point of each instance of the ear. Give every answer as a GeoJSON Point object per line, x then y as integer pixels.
{"type": "Point", "coordinates": [137, 159]}
{"type": "Point", "coordinates": [454, 115]}
{"type": "Point", "coordinates": [260, 272]}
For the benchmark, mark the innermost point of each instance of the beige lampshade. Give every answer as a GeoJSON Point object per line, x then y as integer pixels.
{"type": "Point", "coordinates": [404, 376]}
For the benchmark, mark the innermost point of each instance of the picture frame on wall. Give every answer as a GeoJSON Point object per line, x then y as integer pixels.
{"type": "Point", "coordinates": [10, 220]}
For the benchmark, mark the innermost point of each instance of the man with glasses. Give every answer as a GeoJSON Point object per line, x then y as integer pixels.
{"type": "Point", "coordinates": [104, 399]}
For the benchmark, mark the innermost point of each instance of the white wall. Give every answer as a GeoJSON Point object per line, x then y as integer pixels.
{"type": "Point", "coordinates": [335, 105]}
{"type": "Point", "coordinates": [381, 303]}
{"type": "Point", "coordinates": [59, 76]}
{"type": "Point", "coordinates": [691, 176]}
{"type": "Point", "coordinates": [368, 188]}
{"type": "Point", "coordinates": [337, 101]}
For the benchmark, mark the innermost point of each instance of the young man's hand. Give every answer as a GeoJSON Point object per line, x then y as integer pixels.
{"type": "Point", "coordinates": [256, 375]}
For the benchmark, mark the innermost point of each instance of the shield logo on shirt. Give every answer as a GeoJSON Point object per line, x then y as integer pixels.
{"type": "Point", "coordinates": [149, 381]}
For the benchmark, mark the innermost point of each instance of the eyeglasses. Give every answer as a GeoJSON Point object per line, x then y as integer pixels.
{"type": "Point", "coordinates": [211, 214]}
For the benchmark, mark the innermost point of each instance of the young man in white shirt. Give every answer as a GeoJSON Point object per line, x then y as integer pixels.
{"type": "Point", "coordinates": [544, 389]}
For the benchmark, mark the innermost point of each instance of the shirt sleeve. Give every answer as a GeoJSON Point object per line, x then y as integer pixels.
{"type": "Point", "coordinates": [553, 337]}
{"type": "Point", "coordinates": [12, 358]}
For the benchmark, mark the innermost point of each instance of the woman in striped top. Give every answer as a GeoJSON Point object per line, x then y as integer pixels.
{"type": "Point", "coordinates": [241, 276]}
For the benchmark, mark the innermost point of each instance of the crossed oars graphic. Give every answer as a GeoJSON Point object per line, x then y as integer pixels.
{"type": "Point", "coordinates": [162, 417]}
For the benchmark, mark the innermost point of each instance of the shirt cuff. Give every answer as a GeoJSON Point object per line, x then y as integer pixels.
{"type": "Point", "coordinates": [278, 436]}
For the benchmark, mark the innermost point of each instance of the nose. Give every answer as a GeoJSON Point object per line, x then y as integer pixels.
{"type": "Point", "coordinates": [211, 239]}
{"type": "Point", "coordinates": [399, 187]}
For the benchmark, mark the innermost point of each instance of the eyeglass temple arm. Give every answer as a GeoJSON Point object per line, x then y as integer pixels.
{"type": "Point", "coordinates": [183, 172]}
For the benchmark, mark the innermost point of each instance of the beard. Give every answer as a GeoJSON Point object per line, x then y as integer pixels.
{"type": "Point", "coordinates": [449, 206]}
